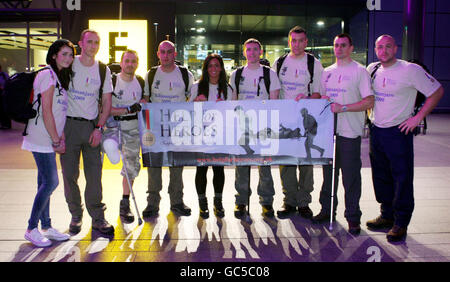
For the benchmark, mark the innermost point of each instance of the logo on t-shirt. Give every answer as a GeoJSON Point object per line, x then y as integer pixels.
{"type": "Point", "coordinates": [283, 71]}
{"type": "Point", "coordinates": [429, 77]}
{"type": "Point", "coordinates": [120, 94]}
{"type": "Point", "coordinates": [241, 81]}
{"type": "Point", "coordinates": [328, 77]}
{"type": "Point", "coordinates": [157, 83]}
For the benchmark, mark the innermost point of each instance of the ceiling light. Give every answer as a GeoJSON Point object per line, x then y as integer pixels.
{"type": "Point", "coordinates": [320, 23]}
{"type": "Point", "coordinates": [199, 21]}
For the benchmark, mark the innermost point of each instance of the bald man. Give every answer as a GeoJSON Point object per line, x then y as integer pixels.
{"type": "Point", "coordinates": [167, 87]}
{"type": "Point", "coordinates": [395, 83]}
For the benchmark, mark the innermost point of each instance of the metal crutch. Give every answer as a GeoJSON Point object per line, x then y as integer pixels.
{"type": "Point", "coordinates": [126, 173]}
{"type": "Point", "coordinates": [334, 174]}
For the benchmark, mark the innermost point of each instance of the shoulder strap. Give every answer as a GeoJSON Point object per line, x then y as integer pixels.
{"type": "Point", "coordinates": [184, 74]}
{"type": "Point", "coordinates": [151, 77]}
{"type": "Point", "coordinates": [372, 75]}
{"type": "Point", "coordinates": [310, 60]}
{"type": "Point", "coordinates": [114, 81]}
{"type": "Point", "coordinates": [141, 82]}
{"type": "Point", "coordinates": [266, 75]}
{"type": "Point", "coordinates": [102, 70]}
{"type": "Point", "coordinates": [280, 63]}
{"type": "Point", "coordinates": [237, 79]}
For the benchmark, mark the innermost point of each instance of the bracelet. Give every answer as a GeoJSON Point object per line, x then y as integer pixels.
{"type": "Point", "coordinates": [56, 144]}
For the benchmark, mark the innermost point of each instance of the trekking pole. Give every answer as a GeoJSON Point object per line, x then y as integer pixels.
{"type": "Point", "coordinates": [333, 180]}
{"type": "Point", "coordinates": [126, 173]}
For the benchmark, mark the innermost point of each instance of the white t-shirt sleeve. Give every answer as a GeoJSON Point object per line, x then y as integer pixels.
{"type": "Point", "coordinates": [318, 70]}
{"type": "Point", "coordinates": [44, 80]}
{"type": "Point", "coordinates": [365, 87]}
{"type": "Point", "coordinates": [422, 80]}
{"type": "Point", "coordinates": [232, 79]}
{"type": "Point", "coordinates": [193, 92]}
{"type": "Point", "coordinates": [107, 85]}
{"type": "Point", "coordinates": [274, 81]}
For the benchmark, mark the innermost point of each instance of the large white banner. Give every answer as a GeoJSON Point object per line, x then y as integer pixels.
{"type": "Point", "coordinates": [269, 132]}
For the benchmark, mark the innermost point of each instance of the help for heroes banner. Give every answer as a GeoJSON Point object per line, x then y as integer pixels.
{"type": "Point", "coordinates": [229, 133]}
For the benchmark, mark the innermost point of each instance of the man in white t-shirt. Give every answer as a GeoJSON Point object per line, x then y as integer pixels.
{"type": "Point", "coordinates": [346, 83]}
{"type": "Point", "coordinates": [295, 80]}
{"type": "Point", "coordinates": [125, 105]}
{"type": "Point", "coordinates": [83, 131]}
{"type": "Point", "coordinates": [252, 86]}
{"type": "Point", "coordinates": [167, 87]}
{"type": "Point", "coordinates": [395, 83]}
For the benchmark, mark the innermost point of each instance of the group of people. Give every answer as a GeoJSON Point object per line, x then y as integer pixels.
{"type": "Point", "coordinates": [79, 100]}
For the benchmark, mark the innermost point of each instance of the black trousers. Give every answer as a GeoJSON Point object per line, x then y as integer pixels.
{"type": "Point", "coordinates": [218, 179]}
{"type": "Point", "coordinates": [392, 160]}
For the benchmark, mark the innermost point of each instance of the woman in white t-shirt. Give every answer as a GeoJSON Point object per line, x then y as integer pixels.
{"type": "Point", "coordinates": [45, 137]}
{"type": "Point", "coordinates": [212, 86]}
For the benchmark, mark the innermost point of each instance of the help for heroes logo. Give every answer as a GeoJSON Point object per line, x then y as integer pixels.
{"type": "Point", "coordinates": [73, 5]}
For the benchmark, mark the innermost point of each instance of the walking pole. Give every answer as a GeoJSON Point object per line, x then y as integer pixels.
{"type": "Point", "coordinates": [334, 173]}
{"type": "Point", "coordinates": [248, 219]}
{"type": "Point", "coordinates": [126, 173]}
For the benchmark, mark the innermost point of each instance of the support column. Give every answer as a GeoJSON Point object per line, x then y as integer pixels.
{"type": "Point", "coordinates": [413, 29]}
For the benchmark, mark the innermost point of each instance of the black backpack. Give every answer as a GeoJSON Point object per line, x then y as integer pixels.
{"type": "Point", "coordinates": [266, 77]}
{"type": "Point", "coordinates": [18, 97]}
{"type": "Point", "coordinates": [151, 77]}
{"type": "Point", "coordinates": [310, 62]}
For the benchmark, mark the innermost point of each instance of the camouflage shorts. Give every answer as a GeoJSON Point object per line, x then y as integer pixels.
{"type": "Point", "coordinates": [130, 149]}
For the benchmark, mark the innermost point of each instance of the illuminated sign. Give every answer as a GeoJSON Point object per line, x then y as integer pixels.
{"type": "Point", "coordinates": [118, 35]}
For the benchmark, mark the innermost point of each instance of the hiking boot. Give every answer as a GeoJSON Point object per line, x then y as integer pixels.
{"type": "Point", "coordinates": [322, 217]}
{"type": "Point", "coordinates": [203, 205]}
{"type": "Point", "coordinates": [396, 234]}
{"type": "Point", "coordinates": [181, 210]}
{"type": "Point", "coordinates": [287, 211]}
{"type": "Point", "coordinates": [218, 208]}
{"type": "Point", "coordinates": [380, 223]}
{"type": "Point", "coordinates": [267, 211]}
{"type": "Point", "coordinates": [102, 226]}
{"type": "Point", "coordinates": [354, 228]}
{"type": "Point", "coordinates": [125, 212]}
{"type": "Point", "coordinates": [240, 211]}
{"type": "Point", "coordinates": [150, 211]}
{"type": "Point", "coordinates": [305, 212]}
{"type": "Point", "coordinates": [75, 225]}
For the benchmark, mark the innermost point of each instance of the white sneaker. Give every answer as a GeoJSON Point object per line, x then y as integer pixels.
{"type": "Point", "coordinates": [35, 237]}
{"type": "Point", "coordinates": [54, 234]}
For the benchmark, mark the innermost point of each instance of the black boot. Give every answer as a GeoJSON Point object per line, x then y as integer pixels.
{"type": "Point", "coordinates": [125, 212]}
{"type": "Point", "coordinates": [203, 205]}
{"type": "Point", "coordinates": [218, 208]}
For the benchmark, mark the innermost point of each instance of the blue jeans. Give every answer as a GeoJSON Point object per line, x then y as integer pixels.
{"type": "Point", "coordinates": [47, 183]}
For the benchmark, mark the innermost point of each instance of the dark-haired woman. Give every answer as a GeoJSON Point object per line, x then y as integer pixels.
{"type": "Point", "coordinates": [212, 86]}
{"type": "Point", "coordinates": [45, 137]}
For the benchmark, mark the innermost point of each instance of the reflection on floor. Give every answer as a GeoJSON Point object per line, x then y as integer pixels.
{"type": "Point", "coordinates": [171, 238]}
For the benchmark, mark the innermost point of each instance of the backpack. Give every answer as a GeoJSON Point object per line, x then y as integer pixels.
{"type": "Point", "coordinates": [266, 77]}
{"type": "Point", "coordinates": [310, 62]}
{"type": "Point", "coordinates": [18, 97]}
{"type": "Point", "coordinates": [151, 77]}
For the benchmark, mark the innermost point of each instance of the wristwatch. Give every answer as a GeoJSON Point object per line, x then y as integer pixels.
{"type": "Point", "coordinates": [99, 127]}
{"type": "Point", "coordinates": [344, 108]}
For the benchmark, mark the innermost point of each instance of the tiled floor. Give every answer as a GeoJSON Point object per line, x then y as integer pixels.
{"type": "Point", "coordinates": [168, 238]}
